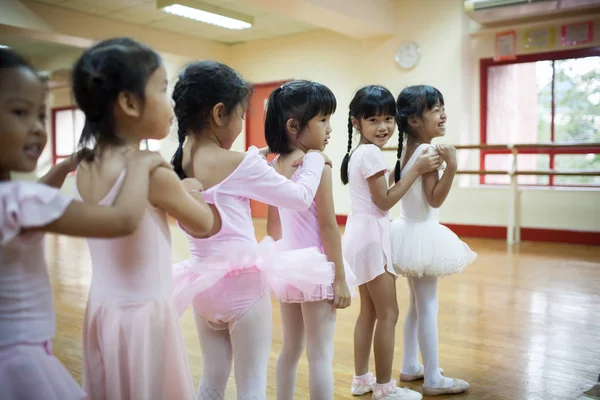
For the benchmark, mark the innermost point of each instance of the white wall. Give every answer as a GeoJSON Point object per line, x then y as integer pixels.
{"type": "Point", "coordinates": [450, 61]}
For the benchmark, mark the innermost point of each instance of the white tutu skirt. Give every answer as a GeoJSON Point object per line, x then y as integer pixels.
{"type": "Point", "coordinates": [427, 249]}
{"type": "Point", "coordinates": [30, 371]}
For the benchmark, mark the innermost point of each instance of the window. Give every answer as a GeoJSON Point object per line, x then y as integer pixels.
{"type": "Point", "coordinates": [542, 98]}
{"type": "Point", "coordinates": [67, 127]}
{"type": "Point", "coordinates": [67, 124]}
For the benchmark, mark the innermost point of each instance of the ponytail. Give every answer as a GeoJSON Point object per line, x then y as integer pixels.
{"type": "Point", "coordinates": [346, 160]}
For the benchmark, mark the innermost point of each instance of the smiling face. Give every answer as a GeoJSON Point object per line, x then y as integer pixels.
{"type": "Point", "coordinates": [377, 129]}
{"type": "Point", "coordinates": [431, 125]}
{"type": "Point", "coordinates": [22, 120]}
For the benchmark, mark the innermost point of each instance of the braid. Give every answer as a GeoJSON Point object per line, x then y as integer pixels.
{"type": "Point", "coordinates": [346, 161]}
{"type": "Point", "coordinates": [402, 122]}
{"type": "Point", "coordinates": [182, 123]}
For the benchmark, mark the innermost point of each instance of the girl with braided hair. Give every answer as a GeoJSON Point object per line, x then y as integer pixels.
{"type": "Point", "coordinates": [366, 241]}
{"type": "Point", "coordinates": [229, 275]}
{"type": "Point", "coordinates": [133, 347]}
{"type": "Point", "coordinates": [422, 249]}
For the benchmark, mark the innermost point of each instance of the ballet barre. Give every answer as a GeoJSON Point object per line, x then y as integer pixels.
{"type": "Point", "coordinates": [513, 231]}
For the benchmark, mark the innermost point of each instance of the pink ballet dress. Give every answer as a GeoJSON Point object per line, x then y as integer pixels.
{"type": "Point", "coordinates": [300, 230]}
{"type": "Point", "coordinates": [229, 272]}
{"type": "Point", "coordinates": [28, 370]}
{"type": "Point", "coordinates": [133, 346]}
{"type": "Point", "coordinates": [366, 240]}
{"type": "Point", "coordinates": [420, 245]}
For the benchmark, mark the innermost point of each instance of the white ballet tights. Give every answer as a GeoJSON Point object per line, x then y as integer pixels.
{"type": "Point", "coordinates": [249, 345]}
{"type": "Point", "coordinates": [421, 332]}
{"type": "Point", "coordinates": [317, 318]}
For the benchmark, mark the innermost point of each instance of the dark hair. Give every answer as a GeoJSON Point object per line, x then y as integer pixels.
{"type": "Point", "coordinates": [369, 101]}
{"type": "Point", "coordinates": [300, 99]}
{"type": "Point", "coordinates": [412, 102]}
{"type": "Point", "coordinates": [201, 86]}
{"type": "Point", "coordinates": [102, 72]}
{"type": "Point", "coordinates": [10, 59]}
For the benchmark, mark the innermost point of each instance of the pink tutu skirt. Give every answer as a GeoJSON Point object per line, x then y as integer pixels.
{"type": "Point", "coordinates": [301, 269]}
{"type": "Point", "coordinates": [366, 246]}
{"type": "Point", "coordinates": [135, 351]}
{"type": "Point", "coordinates": [320, 292]}
{"type": "Point", "coordinates": [30, 371]}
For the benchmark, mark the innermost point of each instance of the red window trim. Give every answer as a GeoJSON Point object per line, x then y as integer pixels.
{"type": "Point", "coordinates": [486, 63]}
{"type": "Point", "coordinates": [56, 157]}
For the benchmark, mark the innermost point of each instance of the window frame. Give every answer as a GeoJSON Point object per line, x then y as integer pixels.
{"type": "Point", "coordinates": [58, 157]}
{"type": "Point", "coordinates": [484, 66]}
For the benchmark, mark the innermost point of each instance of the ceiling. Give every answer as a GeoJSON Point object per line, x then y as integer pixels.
{"type": "Point", "coordinates": [144, 12]}
{"type": "Point", "coordinates": [30, 47]}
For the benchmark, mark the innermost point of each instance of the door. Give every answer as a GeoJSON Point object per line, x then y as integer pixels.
{"type": "Point", "coordinates": [255, 130]}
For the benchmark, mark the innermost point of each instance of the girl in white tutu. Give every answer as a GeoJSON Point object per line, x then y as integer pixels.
{"type": "Point", "coordinates": [366, 241]}
{"type": "Point", "coordinates": [422, 249]}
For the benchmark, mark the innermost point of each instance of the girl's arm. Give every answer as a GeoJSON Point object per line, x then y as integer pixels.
{"type": "Point", "coordinates": [331, 238]}
{"type": "Point", "coordinates": [436, 189]}
{"type": "Point", "coordinates": [274, 223]}
{"type": "Point", "coordinates": [189, 209]}
{"type": "Point", "coordinates": [58, 173]}
{"type": "Point", "coordinates": [124, 216]}
{"type": "Point", "coordinates": [262, 183]}
{"type": "Point", "coordinates": [385, 198]}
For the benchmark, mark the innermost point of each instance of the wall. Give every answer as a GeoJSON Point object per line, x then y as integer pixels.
{"type": "Point", "coordinates": [450, 61]}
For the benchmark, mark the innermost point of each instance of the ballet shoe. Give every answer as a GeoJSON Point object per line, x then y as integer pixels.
{"type": "Point", "coordinates": [459, 386]}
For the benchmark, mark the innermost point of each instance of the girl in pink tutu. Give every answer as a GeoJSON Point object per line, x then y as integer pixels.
{"type": "Point", "coordinates": [422, 249]}
{"type": "Point", "coordinates": [297, 120]}
{"type": "Point", "coordinates": [366, 241]}
{"type": "Point", "coordinates": [132, 346]}
{"type": "Point", "coordinates": [229, 276]}
{"type": "Point", "coordinates": [28, 370]}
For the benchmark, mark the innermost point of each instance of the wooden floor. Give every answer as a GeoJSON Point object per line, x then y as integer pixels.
{"type": "Point", "coordinates": [519, 325]}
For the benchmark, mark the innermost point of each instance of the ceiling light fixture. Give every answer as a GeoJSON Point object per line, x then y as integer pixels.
{"type": "Point", "coordinates": [206, 13]}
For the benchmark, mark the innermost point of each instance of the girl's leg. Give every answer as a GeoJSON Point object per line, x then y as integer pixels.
{"type": "Point", "coordinates": [251, 343]}
{"type": "Point", "coordinates": [383, 293]}
{"type": "Point", "coordinates": [291, 350]}
{"type": "Point", "coordinates": [216, 360]}
{"type": "Point", "coordinates": [363, 332]}
{"type": "Point", "coordinates": [319, 319]}
{"type": "Point", "coordinates": [427, 307]}
{"type": "Point", "coordinates": [410, 362]}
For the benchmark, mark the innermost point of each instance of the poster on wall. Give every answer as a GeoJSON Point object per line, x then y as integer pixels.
{"type": "Point", "coordinates": [579, 33]}
{"type": "Point", "coordinates": [506, 46]}
{"type": "Point", "coordinates": [539, 39]}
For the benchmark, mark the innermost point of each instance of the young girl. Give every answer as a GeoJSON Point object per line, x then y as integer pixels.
{"type": "Point", "coordinates": [132, 346]}
{"type": "Point", "coordinates": [366, 241]}
{"type": "Point", "coordinates": [422, 249]}
{"type": "Point", "coordinates": [297, 120]}
{"type": "Point", "coordinates": [28, 370]}
{"type": "Point", "coordinates": [229, 275]}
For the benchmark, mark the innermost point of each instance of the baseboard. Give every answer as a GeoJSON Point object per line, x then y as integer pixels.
{"type": "Point", "coordinates": [527, 234]}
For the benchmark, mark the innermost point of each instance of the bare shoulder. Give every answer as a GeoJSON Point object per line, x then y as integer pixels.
{"type": "Point", "coordinates": [212, 166]}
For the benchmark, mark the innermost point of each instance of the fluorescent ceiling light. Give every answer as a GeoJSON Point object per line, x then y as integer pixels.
{"type": "Point", "coordinates": [206, 13]}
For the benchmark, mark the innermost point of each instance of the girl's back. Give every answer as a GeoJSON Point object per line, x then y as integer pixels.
{"type": "Point", "coordinates": [135, 267]}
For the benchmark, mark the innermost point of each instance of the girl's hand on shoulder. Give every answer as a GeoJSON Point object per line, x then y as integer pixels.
{"type": "Point", "coordinates": [448, 154]}
{"type": "Point", "coordinates": [428, 161]}
{"type": "Point", "coordinates": [299, 161]}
